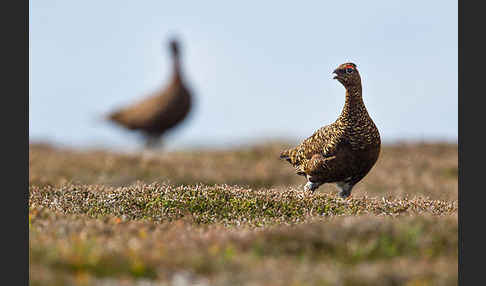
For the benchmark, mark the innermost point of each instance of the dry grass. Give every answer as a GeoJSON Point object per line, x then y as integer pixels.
{"type": "Point", "coordinates": [239, 217]}
{"type": "Point", "coordinates": [405, 169]}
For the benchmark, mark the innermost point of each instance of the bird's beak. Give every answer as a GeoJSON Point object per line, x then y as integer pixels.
{"type": "Point", "coordinates": [336, 74]}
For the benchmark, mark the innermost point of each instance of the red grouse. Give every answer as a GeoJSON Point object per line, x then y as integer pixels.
{"type": "Point", "coordinates": [342, 152]}
{"type": "Point", "coordinates": [166, 108]}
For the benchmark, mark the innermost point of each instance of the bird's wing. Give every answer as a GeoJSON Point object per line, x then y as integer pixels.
{"type": "Point", "coordinates": [323, 142]}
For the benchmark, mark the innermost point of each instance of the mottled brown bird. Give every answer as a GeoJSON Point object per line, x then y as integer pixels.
{"type": "Point", "coordinates": [342, 152]}
{"type": "Point", "coordinates": [161, 111]}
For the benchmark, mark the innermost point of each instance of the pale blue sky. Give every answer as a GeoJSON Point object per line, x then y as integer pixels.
{"type": "Point", "coordinates": [258, 69]}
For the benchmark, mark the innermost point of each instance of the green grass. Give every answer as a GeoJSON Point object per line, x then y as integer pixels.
{"type": "Point", "coordinates": [220, 204]}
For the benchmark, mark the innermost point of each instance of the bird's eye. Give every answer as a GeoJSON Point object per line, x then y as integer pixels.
{"type": "Point", "coordinates": [349, 70]}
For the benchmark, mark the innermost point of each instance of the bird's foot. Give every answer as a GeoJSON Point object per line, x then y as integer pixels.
{"type": "Point", "coordinates": [344, 194]}
{"type": "Point", "coordinates": [153, 142]}
{"type": "Point", "coordinates": [344, 189]}
{"type": "Point", "coordinates": [310, 186]}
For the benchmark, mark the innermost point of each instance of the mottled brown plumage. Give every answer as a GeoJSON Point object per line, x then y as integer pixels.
{"type": "Point", "coordinates": [161, 111]}
{"type": "Point", "coordinates": [344, 151]}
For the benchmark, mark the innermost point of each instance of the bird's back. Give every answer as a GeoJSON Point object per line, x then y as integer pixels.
{"type": "Point", "coordinates": [161, 111]}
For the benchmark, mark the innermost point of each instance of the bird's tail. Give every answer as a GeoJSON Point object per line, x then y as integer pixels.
{"type": "Point", "coordinates": [114, 116]}
{"type": "Point", "coordinates": [291, 156]}
{"type": "Point", "coordinates": [99, 119]}
{"type": "Point", "coordinates": [286, 155]}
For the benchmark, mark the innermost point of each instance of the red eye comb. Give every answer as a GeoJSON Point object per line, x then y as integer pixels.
{"type": "Point", "coordinates": [349, 67]}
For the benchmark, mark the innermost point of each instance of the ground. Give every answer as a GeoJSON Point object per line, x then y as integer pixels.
{"type": "Point", "coordinates": [239, 217]}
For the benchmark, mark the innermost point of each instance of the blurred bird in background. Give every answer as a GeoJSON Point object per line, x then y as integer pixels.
{"type": "Point", "coordinates": [163, 110]}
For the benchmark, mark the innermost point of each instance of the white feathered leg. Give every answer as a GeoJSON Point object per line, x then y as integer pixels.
{"type": "Point", "coordinates": [310, 186]}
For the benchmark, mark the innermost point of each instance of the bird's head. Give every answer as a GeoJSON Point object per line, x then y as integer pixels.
{"type": "Point", "coordinates": [174, 47]}
{"type": "Point", "coordinates": [347, 74]}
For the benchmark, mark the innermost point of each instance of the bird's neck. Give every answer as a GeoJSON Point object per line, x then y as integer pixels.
{"type": "Point", "coordinates": [354, 105]}
{"type": "Point", "coordinates": [177, 76]}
